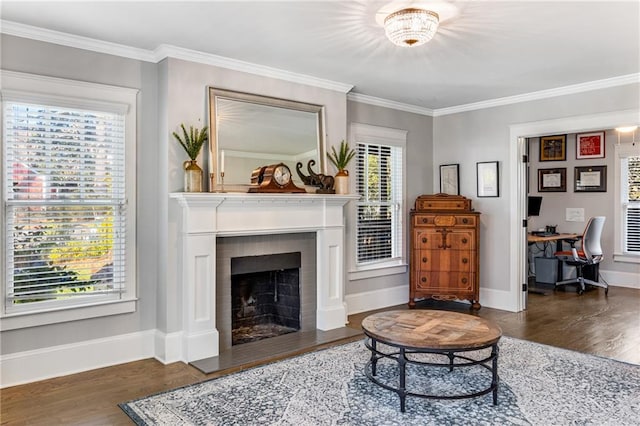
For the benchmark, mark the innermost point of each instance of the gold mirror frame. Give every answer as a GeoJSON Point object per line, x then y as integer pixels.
{"type": "Point", "coordinates": [248, 111]}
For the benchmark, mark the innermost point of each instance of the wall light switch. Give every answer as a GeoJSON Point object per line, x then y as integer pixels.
{"type": "Point", "coordinates": [574, 214]}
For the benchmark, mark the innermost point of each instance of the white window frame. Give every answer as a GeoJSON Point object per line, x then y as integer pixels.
{"type": "Point", "coordinates": [76, 94]}
{"type": "Point", "coordinates": [622, 151]}
{"type": "Point", "coordinates": [369, 134]}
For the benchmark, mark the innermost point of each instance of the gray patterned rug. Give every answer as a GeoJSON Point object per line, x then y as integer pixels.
{"type": "Point", "coordinates": [539, 385]}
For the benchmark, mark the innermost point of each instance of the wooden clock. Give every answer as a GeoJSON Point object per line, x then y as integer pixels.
{"type": "Point", "coordinates": [273, 178]}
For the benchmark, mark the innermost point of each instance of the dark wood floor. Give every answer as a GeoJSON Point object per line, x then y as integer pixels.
{"type": "Point", "coordinates": [591, 323]}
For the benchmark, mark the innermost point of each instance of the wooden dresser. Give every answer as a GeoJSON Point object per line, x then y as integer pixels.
{"type": "Point", "coordinates": [444, 249]}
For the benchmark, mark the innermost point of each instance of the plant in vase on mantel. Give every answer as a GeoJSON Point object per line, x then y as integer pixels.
{"type": "Point", "coordinates": [340, 159]}
{"type": "Point", "coordinates": [192, 142]}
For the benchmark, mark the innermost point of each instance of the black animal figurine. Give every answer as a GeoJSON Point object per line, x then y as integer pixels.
{"type": "Point", "coordinates": [324, 183]}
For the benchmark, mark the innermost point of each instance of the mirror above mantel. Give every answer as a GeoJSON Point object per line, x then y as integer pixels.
{"type": "Point", "coordinates": [248, 131]}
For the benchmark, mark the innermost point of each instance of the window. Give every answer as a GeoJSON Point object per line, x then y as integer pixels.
{"type": "Point", "coordinates": [67, 222]}
{"type": "Point", "coordinates": [628, 206]}
{"type": "Point", "coordinates": [379, 181]}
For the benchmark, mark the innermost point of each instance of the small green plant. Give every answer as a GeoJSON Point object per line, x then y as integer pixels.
{"type": "Point", "coordinates": [342, 158]}
{"type": "Point", "coordinates": [192, 140]}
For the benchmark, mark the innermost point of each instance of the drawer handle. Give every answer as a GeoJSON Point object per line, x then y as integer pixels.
{"type": "Point", "coordinates": [465, 260]}
{"type": "Point", "coordinates": [465, 220]}
{"type": "Point", "coordinates": [464, 241]}
{"type": "Point", "coordinates": [424, 220]}
{"type": "Point", "coordinates": [424, 260]}
{"type": "Point", "coordinates": [423, 279]}
{"type": "Point", "coordinates": [424, 240]}
{"type": "Point", "coordinates": [464, 281]}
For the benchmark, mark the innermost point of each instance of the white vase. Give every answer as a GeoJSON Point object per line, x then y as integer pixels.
{"type": "Point", "coordinates": [341, 182]}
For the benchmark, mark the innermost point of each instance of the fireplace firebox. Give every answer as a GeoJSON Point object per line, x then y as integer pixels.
{"type": "Point", "coordinates": [265, 296]}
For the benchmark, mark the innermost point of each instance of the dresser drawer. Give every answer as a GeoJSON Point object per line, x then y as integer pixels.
{"type": "Point", "coordinates": [445, 280]}
{"type": "Point", "coordinates": [435, 239]}
{"type": "Point", "coordinates": [445, 260]}
{"type": "Point", "coordinates": [444, 220]}
{"type": "Point", "coordinates": [443, 203]}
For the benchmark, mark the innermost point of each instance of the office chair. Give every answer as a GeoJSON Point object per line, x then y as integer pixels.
{"type": "Point", "coordinates": [589, 254]}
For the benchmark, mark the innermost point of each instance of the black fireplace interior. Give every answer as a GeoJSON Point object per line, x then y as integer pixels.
{"type": "Point", "coordinates": [265, 296]}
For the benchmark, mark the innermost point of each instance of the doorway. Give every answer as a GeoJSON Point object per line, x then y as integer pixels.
{"type": "Point", "coordinates": [518, 172]}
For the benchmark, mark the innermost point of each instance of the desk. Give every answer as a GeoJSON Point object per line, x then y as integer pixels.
{"type": "Point", "coordinates": [558, 238]}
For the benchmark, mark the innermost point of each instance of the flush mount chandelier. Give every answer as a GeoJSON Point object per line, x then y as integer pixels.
{"type": "Point", "coordinates": [411, 27]}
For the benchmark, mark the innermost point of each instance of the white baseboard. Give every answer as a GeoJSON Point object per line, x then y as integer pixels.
{"type": "Point", "coordinates": [376, 299]}
{"type": "Point", "coordinates": [498, 299]}
{"type": "Point", "coordinates": [30, 366]}
{"type": "Point", "coordinates": [621, 279]}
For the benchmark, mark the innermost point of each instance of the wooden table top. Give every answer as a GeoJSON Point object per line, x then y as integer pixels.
{"type": "Point", "coordinates": [431, 329]}
{"type": "Point", "coordinates": [538, 238]}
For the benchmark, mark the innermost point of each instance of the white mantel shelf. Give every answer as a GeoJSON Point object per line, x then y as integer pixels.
{"type": "Point", "coordinates": [205, 216]}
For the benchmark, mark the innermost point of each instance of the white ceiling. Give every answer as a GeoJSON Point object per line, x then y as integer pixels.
{"type": "Point", "coordinates": [488, 50]}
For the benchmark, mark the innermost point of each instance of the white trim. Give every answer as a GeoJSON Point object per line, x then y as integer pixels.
{"type": "Point", "coordinates": [377, 299]}
{"type": "Point", "coordinates": [168, 346]}
{"type": "Point", "coordinates": [40, 364]}
{"type": "Point", "coordinates": [621, 151]}
{"type": "Point", "coordinates": [542, 94]}
{"type": "Point", "coordinates": [371, 100]}
{"type": "Point", "coordinates": [71, 40]}
{"type": "Point", "coordinates": [626, 258]}
{"type": "Point", "coordinates": [621, 279]}
{"type": "Point", "coordinates": [165, 51]}
{"type": "Point", "coordinates": [378, 270]}
{"type": "Point", "coordinates": [498, 299]}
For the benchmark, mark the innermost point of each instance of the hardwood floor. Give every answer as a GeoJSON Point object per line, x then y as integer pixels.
{"type": "Point", "coordinates": [591, 323]}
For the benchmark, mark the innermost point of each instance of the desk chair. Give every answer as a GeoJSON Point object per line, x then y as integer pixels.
{"type": "Point", "coordinates": [589, 254]}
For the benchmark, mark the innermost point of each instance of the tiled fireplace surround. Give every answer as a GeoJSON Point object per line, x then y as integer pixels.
{"type": "Point", "coordinates": [205, 217]}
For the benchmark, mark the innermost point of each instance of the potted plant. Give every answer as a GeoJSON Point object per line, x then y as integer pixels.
{"type": "Point", "coordinates": [340, 159]}
{"type": "Point", "coordinates": [192, 142]}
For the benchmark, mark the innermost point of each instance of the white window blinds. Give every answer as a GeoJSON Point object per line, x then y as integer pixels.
{"type": "Point", "coordinates": [379, 182]}
{"type": "Point", "coordinates": [631, 206]}
{"type": "Point", "coordinates": [65, 203]}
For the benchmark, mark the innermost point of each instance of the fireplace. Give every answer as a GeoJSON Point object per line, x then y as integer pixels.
{"type": "Point", "coordinates": [244, 258]}
{"type": "Point", "coordinates": [265, 296]}
{"type": "Point", "coordinates": [208, 227]}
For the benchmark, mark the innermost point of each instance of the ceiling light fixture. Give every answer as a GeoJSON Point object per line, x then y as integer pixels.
{"type": "Point", "coordinates": [411, 27]}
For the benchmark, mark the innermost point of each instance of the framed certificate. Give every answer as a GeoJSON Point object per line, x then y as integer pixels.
{"type": "Point", "coordinates": [590, 179]}
{"type": "Point", "coordinates": [552, 180]}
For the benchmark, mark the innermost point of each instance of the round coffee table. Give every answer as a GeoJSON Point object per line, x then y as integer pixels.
{"type": "Point", "coordinates": [431, 332]}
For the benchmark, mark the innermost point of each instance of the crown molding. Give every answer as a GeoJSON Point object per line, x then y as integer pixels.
{"type": "Point", "coordinates": [543, 94]}
{"type": "Point", "coordinates": [70, 40]}
{"type": "Point", "coordinates": [162, 52]}
{"type": "Point", "coordinates": [371, 100]}
{"type": "Point", "coordinates": [168, 51]}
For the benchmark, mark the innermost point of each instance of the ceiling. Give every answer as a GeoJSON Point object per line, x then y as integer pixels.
{"type": "Point", "coordinates": [484, 51]}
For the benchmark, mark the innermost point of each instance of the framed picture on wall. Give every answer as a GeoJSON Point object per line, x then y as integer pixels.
{"type": "Point", "coordinates": [590, 179]}
{"type": "Point", "coordinates": [589, 145]}
{"type": "Point", "coordinates": [553, 148]}
{"type": "Point", "coordinates": [552, 180]}
{"type": "Point", "coordinates": [450, 179]}
{"type": "Point", "coordinates": [488, 179]}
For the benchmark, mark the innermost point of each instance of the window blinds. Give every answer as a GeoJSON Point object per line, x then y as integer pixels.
{"type": "Point", "coordinates": [65, 203]}
{"type": "Point", "coordinates": [633, 205]}
{"type": "Point", "coordinates": [379, 182]}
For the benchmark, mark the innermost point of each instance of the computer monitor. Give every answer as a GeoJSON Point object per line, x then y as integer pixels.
{"type": "Point", "coordinates": [533, 205]}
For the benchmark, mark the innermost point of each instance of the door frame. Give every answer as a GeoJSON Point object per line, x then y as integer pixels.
{"type": "Point", "coordinates": [518, 191]}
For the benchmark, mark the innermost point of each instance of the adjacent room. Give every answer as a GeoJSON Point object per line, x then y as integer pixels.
{"type": "Point", "coordinates": [266, 212]}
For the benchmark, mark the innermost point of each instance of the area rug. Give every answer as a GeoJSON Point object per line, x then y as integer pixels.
{"type": "Point", "coordinates": [539, 385]}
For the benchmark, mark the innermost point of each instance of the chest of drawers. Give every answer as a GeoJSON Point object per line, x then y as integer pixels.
{"type": "Point", "coordinates": [444, 249]}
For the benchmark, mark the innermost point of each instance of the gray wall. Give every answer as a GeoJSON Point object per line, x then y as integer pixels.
{"type": "Point", "coordinates": [483, 135]}
{"type": "Point", "coordinates": [419, 172]}
{"type": "Point", "coordinates": [35, 57]}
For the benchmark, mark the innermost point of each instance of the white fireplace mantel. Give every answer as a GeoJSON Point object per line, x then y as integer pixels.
{"type": "Point", "coordinates": [206, 216]}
